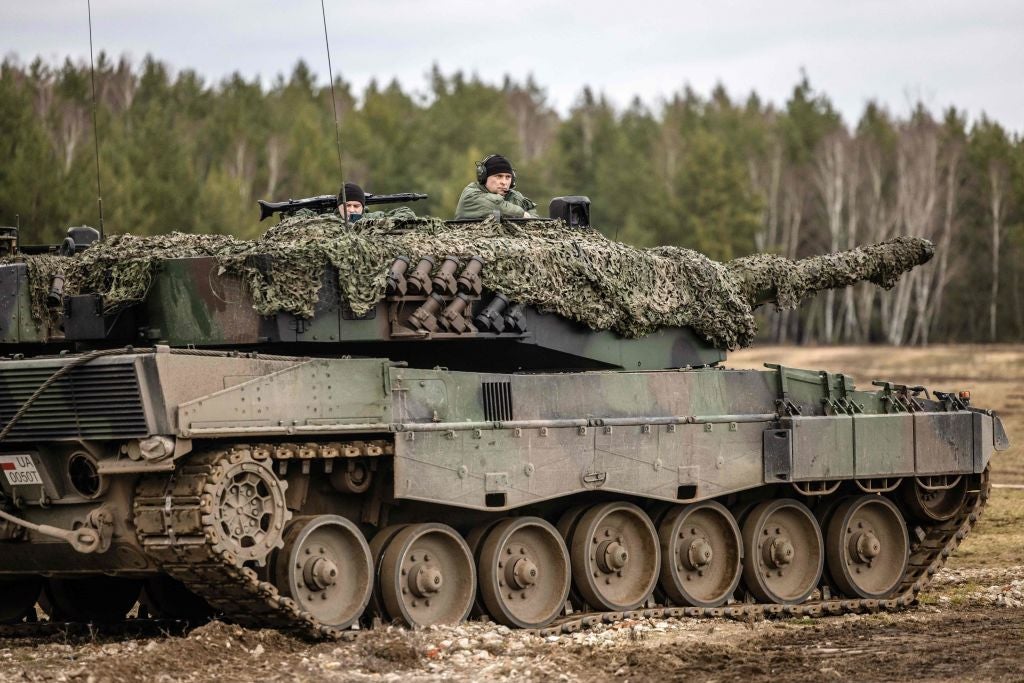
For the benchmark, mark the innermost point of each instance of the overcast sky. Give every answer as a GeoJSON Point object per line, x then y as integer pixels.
{"type": "Point", "coordinates": [969, 54]}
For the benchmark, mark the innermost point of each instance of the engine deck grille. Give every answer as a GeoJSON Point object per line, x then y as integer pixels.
{"type": "Point", "coordinates": [497, 401]}
{"type": "Point", "coordinates": [95, 401]}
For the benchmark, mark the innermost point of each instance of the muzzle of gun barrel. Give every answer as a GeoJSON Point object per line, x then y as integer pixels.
{"type": "Point", "coordinates": [419, 282]}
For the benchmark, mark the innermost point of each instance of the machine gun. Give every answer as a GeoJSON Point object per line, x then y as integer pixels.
{"type": "Point", "coordinates": [328, 203]}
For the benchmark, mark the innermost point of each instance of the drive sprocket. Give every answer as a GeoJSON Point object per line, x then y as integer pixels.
{"type": "Point", "coordinates": [244, 507]}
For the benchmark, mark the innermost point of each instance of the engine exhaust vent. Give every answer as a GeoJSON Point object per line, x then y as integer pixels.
{"type": "Point", "coordinates": [102, 400]}
{"type": "Point", "coordinates": [497, 401]}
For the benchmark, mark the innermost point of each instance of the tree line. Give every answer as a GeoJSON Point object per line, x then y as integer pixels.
{"type": "Point", "coordinates": [724, 175]}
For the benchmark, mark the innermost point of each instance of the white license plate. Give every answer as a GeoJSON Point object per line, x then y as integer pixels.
{"type": "Point", "coordinates": [20, 469]}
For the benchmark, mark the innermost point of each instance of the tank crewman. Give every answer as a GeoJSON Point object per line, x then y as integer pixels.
{"type": "Point", "coordinates": [494, 190]}
{"type": "Point", "coordinates": [355, 201]}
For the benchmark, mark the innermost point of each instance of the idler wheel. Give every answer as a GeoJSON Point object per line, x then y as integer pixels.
{"type": "Point", "coordinates": [524, 572]}
{"type": "Point", "coordinates": [701, 554]}
{"type": "Point", "coordinates": [931, 504]}
{"type": "Point", "coordinates": [169, 598]}
{"type": "Point", "coordinates": [782, 551]}
{"type": "Point", "coordinates": [867, 547]}
{"type": "Point", "coordinates": [326, 568]}
{"type": "Point", "coordinates": [615, 556]}
{"type": "Point", "coordinates": [96, 599]}
{"type": "Point", "coordinates": [427, 576]}
{"type": "Point", "coordinates": [19, 598]}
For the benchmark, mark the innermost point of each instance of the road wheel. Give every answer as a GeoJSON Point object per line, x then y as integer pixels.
{"type": "Point", "coordinates": [524, 572]}
{"type": "Point", "coordinates": [427, 576]}
{"type": "Point", "coordinates": [933, 504]}
{"type": "Point", "coordinates": [701, 554]}
{"type": "Point", "coordinates": [326, 568]}
{"type": "Point", "coordinates": [377, 545]}
{"type": "Point", "coordinates": [782, 551]}
{"type": "Point", "coordinates": [615, 556]}
{"type": "Point", "coordinates": [867, 547]}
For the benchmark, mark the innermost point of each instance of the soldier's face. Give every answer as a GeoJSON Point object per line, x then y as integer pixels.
{"type": "Point", "coordinates": [351, 208]}
{"type": "Point", "coordinates": [499, 183]}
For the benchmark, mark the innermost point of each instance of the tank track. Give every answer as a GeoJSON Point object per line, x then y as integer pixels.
{"type": "Point", "coordinates": [927, 555]}
{"type": "Point", "coordinates": [185, 549]}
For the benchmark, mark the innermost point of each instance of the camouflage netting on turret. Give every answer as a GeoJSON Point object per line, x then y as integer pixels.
{"type": "Point", "coordinates": [583, 276]}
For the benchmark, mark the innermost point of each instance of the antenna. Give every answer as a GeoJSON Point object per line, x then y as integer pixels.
{"type": "Point", "coordinates": [95, 128]}
{"type": "Point", "coordinates": [337, 128]}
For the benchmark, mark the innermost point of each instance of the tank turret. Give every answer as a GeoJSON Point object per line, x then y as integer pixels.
{"type": "Point", "coordinates": [499, 296]}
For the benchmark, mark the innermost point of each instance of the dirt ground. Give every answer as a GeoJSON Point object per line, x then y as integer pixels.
{"type": "Point", "coordinates": [969, 625]}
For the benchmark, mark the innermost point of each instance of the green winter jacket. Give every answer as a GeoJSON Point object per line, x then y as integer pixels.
{"type": "Point", "coordinates": [477, 202]}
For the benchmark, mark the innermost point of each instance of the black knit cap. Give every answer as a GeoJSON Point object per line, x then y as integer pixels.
{"type": "Point", "coordinates": [353, 193]}
{"type": "Point", "coordinates": [497, 164]}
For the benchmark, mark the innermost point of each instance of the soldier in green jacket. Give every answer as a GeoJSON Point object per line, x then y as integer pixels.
{"type": "Point", "coordinates": [494, 191]}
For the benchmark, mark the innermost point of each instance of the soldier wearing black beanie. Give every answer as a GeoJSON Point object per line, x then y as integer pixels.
{"type": "Point", "coordinates": [354, 201]}
{"type": "Point", "coordinates": [496, 164]}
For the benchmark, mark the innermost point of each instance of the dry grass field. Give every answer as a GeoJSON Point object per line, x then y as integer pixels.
{"type": "Point", "coordinates": [969, 625]}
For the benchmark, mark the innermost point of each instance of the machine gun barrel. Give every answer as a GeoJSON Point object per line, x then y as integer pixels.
{"type": "Point", "coordinates": [328, 203]}
{"type": "Point", "coordinates": [399, 197]}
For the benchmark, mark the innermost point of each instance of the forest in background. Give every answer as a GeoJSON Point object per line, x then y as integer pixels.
{"type": "Point", "coordinates": [724, 175]}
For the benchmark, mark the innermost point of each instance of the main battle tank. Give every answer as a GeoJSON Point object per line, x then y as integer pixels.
{"type": "Point", "coordinates": [422, 421]}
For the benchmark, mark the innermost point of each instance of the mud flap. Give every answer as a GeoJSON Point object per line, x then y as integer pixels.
{"type": "Point", "coordinates": [778, 455]}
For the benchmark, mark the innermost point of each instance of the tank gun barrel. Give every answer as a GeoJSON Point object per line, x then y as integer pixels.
{"type": "Point", "coordinates": [768, 278]}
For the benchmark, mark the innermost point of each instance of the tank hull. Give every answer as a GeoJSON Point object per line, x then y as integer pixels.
{"type": "Point", "coordinates": [209, 467]}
